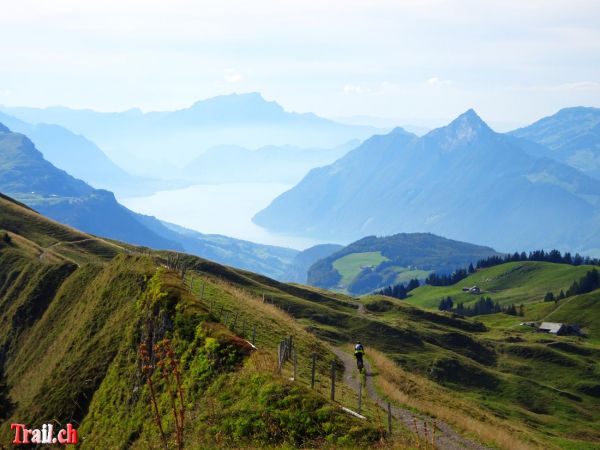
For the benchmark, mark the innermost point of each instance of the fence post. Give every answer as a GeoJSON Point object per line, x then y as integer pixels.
{"type": "Point", "coordinates": [202, 292]}
{"type": "Point", "coordinates": [235, 321]}
{"type": "Point", "coordinates": [312, 371]}
{"type": "Point", "coordinates": [211, 306]}
{"type": "Point", "coordinates": [221, 312]}
{"type": "Point", "coordinates": [254, 335]}
{"type": "Point", "coordinates": [295, 364]}
{"type": "Point", "coordinates": [359, 396]}
{"type": "Point", "coordinates": [280, 351]}
{"type": "Point", "coordinates": [389, 408]}
{"type": "Point", "coordinates": [333, 380]}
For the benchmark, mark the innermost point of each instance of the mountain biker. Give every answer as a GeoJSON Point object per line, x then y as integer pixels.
{"type": "Point", "coordinates": [359, 352]}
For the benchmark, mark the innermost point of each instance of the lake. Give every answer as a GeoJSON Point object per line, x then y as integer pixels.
{"type": "Point", "coordinates": [219, 209]}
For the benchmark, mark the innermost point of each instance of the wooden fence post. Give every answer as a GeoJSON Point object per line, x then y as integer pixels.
{"type": "Point", "coordinates": [389, 408]}
{"type": "Point", "coordinates": [312, 371]}
{"type": "Point", "coordinates": [295, 364]}
{"type": "Point", "coordinates": [280, 351]}
{"type": "Point", "coordinates": [254, 335]}
{"type": "Point", "coordinates": [333, 380]}
{"type": "Point", "coordinates": [235, 321]}
{"type": "Point", "coordinates": [202, 292]}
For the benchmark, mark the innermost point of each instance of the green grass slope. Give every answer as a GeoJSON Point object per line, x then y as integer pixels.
{"type": "Point", "coordinates": [75, 325]}
{"type": "Point", "coordinates": [376, 262]}
{"type": "Point", "coordinates": [70, 350]}
{"type": "Point", "coordinates": [515, 282]}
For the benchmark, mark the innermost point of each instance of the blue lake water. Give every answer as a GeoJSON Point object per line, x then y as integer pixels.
{"type": "Point", "coordinates": [219, 209]}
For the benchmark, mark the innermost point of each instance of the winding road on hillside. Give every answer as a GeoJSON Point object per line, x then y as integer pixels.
{"type": "Point", "coordinates": [445, 437]}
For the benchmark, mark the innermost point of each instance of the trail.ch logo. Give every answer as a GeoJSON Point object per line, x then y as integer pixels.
{"type": "Point", "coordinates": [45, 435]}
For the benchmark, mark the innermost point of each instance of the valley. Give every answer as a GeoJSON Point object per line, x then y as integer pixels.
{"type": "Point", "coordinates": [489, 378]}
{"type": "Point", "coordinates": [300, 225]}
{"type": "Point", "coordinates": [220, 208]}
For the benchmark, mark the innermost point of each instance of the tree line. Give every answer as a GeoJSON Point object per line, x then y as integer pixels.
{"type": "Point", "coordinates": [588, 283]}
{"type": "Point", "coordinates": [485, 305]}
{"type": "Point", "coordinates": [399, 290]}
{"type": "Point", "coordinates": [553, 256]}
{"type": "Point", "coordinates": [435, 279]}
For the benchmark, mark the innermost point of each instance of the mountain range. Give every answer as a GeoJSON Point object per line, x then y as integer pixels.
{"type": "Point", "coordinates": [26, 176]}
{"type": "Point", "coordinates": [151, 142]}
{"type": "Point", "coordinates": [463, 181]}
{"type": "Point", "coordinates": [572, 136]}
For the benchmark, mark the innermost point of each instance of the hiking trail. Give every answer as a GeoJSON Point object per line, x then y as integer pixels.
{"type": "Point", "coordinates": [445, 437]}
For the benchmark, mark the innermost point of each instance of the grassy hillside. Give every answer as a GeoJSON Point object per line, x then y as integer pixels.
{"type": "Point", "coordinates": [498, 381]}
{"type": "Point", "coordinates": [516, 282]}
{"type": "Point", "coordinates": [376, 262]}
{"type": "Point", "coordinates": [78, 317]}
{"type": "Point", "coordinates": [79, 314]}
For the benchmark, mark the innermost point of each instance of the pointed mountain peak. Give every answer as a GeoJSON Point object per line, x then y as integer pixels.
{"type": "Point", "coordinates": [469, 119]}
{"type": "Point", "coordinates": [468, 124]}
{"type": "Point", "coordinates": [465, 129]}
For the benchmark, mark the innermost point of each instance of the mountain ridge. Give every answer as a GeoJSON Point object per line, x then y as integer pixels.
{"type": "Point", "coordinates": [571, 136]}
{"type": "Point", "coordinates": [136, 140]}
{"type": "Point", "coordinates": [434, 183]}
{"type": "Point", "coordinates": [28, 177]}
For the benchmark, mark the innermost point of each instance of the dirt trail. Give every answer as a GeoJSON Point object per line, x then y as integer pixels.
{"type": "Point", "coordinates": [45, 250]}
{"type": "Point", "coordinates": [445, 437]}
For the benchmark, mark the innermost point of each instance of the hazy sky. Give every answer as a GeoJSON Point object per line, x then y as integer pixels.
{"type": "Point", "coordinates": [417, 60]}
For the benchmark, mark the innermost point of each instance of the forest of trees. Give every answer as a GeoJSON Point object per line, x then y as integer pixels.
{"type": "Point", "coordinates": [553, 256]}
{"type": "Point", "coordinates": [399, 290]}
{"type": "Point", "coordinates": [435, 279]}
{"type": "Point", "coordinates": [485, 305]}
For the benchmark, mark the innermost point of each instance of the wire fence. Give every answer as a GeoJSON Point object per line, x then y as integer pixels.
{"type": "Point", "coordinates": [296, 365]}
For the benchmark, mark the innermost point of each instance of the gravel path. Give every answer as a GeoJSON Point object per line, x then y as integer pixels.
{"type": "Point", "coordinates": [445, 437]}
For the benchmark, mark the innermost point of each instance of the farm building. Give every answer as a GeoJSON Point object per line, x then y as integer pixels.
{"type": "Point", "coordinates": [552, 328]}
{"type": "Point", "coordinates": [559, 328]}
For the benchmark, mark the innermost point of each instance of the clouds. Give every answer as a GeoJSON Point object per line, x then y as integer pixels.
{"type": "Point", "coordinates": [233, 77]}
{"type": "Point", "coordinates": [335, 58]}
{"type": "Point", "coordinates": [437, 81]}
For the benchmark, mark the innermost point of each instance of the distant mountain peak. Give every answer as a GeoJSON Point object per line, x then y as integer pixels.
{"type": "Point", "coordinates": [400, 130]}
{"type": "Point", "coordinates": [469, 119]}
{"type": "Point", "coordinates": [466, 128]}
{"type": "Point", "coordinates": [243, 99]}
{"type": "Point", "coordinates": [4, 129]}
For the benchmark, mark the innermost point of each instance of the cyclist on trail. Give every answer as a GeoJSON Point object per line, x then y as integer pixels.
{"type": "Point", "coordinates": [359, 352]}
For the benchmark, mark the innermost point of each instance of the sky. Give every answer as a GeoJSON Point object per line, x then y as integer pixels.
{"type": "Point", "coordinates": [417, 62]}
